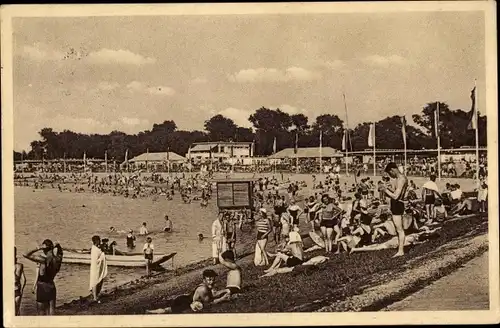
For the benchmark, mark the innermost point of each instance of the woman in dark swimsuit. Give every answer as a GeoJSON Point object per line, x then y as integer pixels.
{"type": "Point", "coordinates": [312, 209]}
{"type": "Point", "coordinates": [329, 221]}
{"type": "Point", "coordinates": [295, 211]}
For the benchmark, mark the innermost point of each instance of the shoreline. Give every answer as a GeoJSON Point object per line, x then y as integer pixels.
{"type": "Point", "coordinates": [345, 283]}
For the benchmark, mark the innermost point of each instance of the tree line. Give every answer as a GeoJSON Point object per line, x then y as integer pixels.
{"type": "Point", "coordinates": [268, 124]}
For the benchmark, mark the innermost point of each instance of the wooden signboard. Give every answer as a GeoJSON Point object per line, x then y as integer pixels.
{"type": "Point", "coordinates": [234, 194]}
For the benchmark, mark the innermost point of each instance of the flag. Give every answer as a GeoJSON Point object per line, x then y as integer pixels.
{"type": "Point", "coordinates": [436, 120]}
{"type": "Point", "coordinates": [168, 154]}
{"type": "Point", "coordinates": [473, 121]}
{"type": "Point", "coordinates": [105, 157]}
{"type": "Point", "coordinates": [344, 140]}
{"type": "Point", "coordinates": [84, 158]}
{"type": "Point", "coordinates": [126, 156]}
{"type": "Point", "coordinates": [403, 129]}
{"type": "Point", "coordinates": [274, 146]}
{"type": "Point", "coordinates": [296, 150]}
{"type": "Point", "coordinates": [252, 151]}
{"type": "Point", "coordinates": [321, 138]}
{"type": "Point", "coordinates": [371, 135]}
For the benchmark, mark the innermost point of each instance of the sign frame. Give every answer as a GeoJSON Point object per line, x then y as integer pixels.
{"type": "Point", "coordinates": [234, 206]}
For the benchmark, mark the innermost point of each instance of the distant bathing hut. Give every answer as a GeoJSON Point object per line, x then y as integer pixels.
{"type": "Point", "coordinates": [154, 160]}
{"type": "Point", "coordinates": [221, 151]}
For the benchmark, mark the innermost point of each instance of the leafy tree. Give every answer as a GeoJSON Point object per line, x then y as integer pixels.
{"type": "Point", "coordinates": [453, 126]}
{"type": "Point", "coordinates": [332, 127]}
{"type": "Point", "coordinates": [220, 128]}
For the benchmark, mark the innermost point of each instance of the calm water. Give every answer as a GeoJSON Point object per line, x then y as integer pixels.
{"type": "Point", "coordinates": [73, 218]}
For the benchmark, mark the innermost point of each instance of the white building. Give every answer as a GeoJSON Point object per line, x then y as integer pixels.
{"type": "Point", "coordinates": [220, 150]}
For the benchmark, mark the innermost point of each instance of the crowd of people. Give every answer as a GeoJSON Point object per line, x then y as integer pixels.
{"type": "Point", "coordinates": [365, 216]}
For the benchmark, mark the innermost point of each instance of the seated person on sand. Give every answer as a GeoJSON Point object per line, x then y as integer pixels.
{"type": "Point", "coordinates": [440, 213]}
{"type": "Point", "coordinates": [464, 207]}
{"type": "Point", "coordinates": [290, 253]}
{"type": "Point", "coordinates": [292, 256]}
{"type": "Point", "coordinates": [202, 297]}
{"type": "Point", "coordinates": [234, 280]}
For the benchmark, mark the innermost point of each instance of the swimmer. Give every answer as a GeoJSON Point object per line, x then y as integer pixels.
{"type": "Point", "coordinates": [168, 224]}
{"type": "Point", "coordinates": [143, 230]}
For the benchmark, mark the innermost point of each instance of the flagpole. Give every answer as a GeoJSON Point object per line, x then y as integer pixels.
{"type": "Point", "coordinates": [147, 162]}
{"type": "Point", "coordinates": [404, 143]}
{"type": "Point", "coordinates": [320, 151]}
{"type": "Point", "coordinates": [106, 160]}
{"type": "Point", "coordinates": [438, 142]}
{"type": "Point", "coordinates": [297, 153]}
{"type": "Point", "coordinates": [374, 152]}
{"type": "Point", "coordinates": [84, 162]}
{"type": "Point", "coordinates": [64, 161]}
{"type": "Point", "coordinates": [346, 136]}
{"type": "Point", "coordinates": [476, 118]}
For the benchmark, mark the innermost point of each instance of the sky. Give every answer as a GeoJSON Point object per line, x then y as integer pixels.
{"type": "Point", "coordinates": [99, 74]}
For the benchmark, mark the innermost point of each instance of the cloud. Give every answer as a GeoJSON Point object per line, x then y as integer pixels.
{"type": "Point", "coordinates": [273, 75]}
{"type": "Point", "coordinates": [134, 121]}
{"type": "Point", "coordinates": [377, 60]}
{"type": "Point", "coordinates": [105, 85]}
{"type": "Point", "coordinates": [161, 90]}
{"type": "Point", "coordinates": [289, 109]}
{"type": "Point", "coordinates": [335, 64]}
{"type": "Point", "coordinates": [140, 87]}
{"type": "Point", "coordinates": [41, 52]}
{"type": "Point", "coordinates": [108, 56]}
{"type": "Point", "coordinates": [199, 80]}
{"type": "Point", "coordinates": [239, 116]}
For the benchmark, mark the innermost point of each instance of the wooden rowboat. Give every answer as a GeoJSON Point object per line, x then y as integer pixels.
{"type": "Point", "coordinates": [125, 260]}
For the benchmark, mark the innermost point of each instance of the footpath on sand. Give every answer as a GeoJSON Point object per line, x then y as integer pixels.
{"type": "Point", "coordinates": [357, 282]}
{"type": "Point", "coordinates": [465, 289]}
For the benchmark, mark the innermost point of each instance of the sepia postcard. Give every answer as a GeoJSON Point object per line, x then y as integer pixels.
{"type": "Point", "coordinates": [277, 163]}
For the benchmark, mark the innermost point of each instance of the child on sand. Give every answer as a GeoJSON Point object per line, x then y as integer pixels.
{"type": "Point", "coordinates": [148, 250]}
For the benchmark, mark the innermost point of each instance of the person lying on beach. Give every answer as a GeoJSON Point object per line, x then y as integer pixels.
{"type": "Point", "coordinates": [412, 239]}
{"type": "Point", "coordinates": [202, 297]}
{"type": "Point", "coordinates": [311, 262]}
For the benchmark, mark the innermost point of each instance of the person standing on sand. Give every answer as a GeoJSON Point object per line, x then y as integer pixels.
{"type": "Point", "coordinates": [218, 238]}
{"type": "Point", "coordinates": [49, 266]}
{"type": "Point", "coordinates": [430, 193]}
{"type": "Point", "coordinates": [396, 202]}
{"type": "Point", "coordinates": [264, 228]}
{"type": "Point", "coordinates": [18, 286]}
{"type": "Point", "coordinates": [98, 268]}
